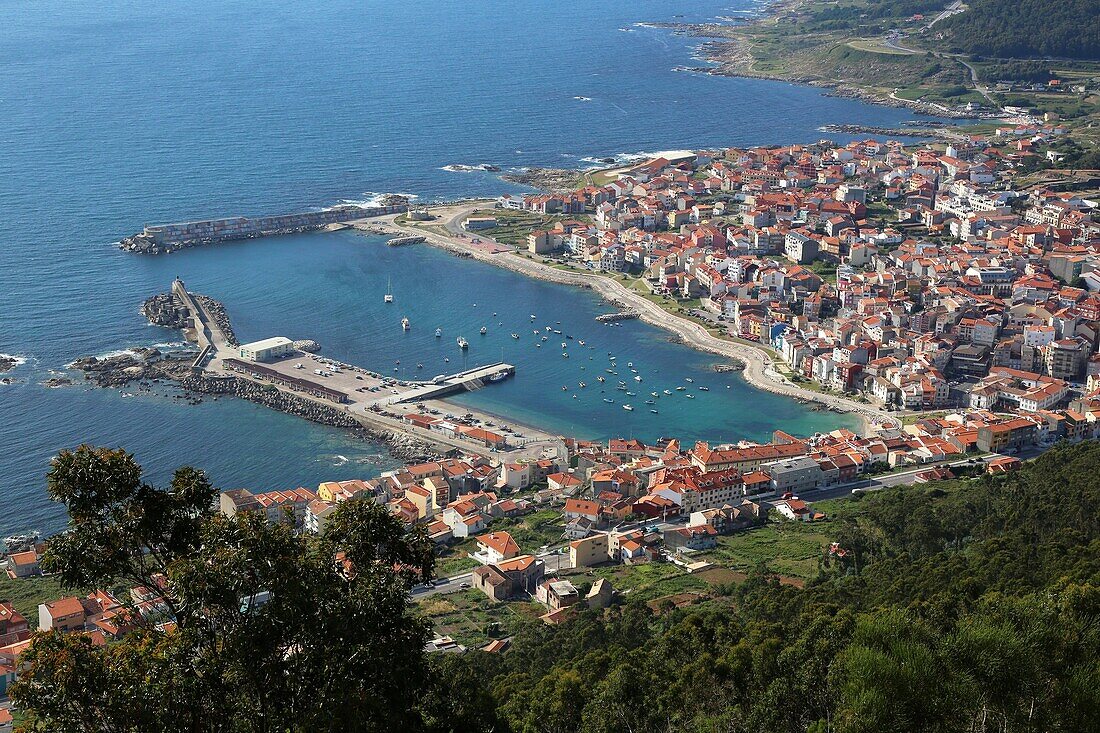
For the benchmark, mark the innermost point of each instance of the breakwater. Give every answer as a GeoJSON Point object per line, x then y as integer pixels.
{"type": "Point", "coordinates": [164, 238]}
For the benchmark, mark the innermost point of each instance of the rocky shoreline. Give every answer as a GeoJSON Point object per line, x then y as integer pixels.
{"type": "Point", "coordinates": [551, 180]}
{"type": "Point", "coordinates": [149, 366]}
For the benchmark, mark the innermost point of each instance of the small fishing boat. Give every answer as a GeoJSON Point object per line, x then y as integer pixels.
{"type": "Point", "coordinates": [630, 363]}
{"type": "Point", "coordinates": [446, 359]}
{"type": "Point", "coordinates": [438, 332]}
{"type": "Point", "coordinates": [688, 379]}
{"type": "Point", "coordinates": [608, 400]}
{"type": "Point", "coordinates": [628, 408]}
{"type": "Point", "coordinates": [654, 412]}
{"type": "Point", "coordinates": [681, 388]}
{"type": "Point", "coordinates": [655, 394]}
{"type": "Point", "coordinates": [582, 385]}
{"type": "Point", "coordinates": [601, 378]}
{"type": "Point", "coordinates": [704, 389]}
{"type": "Point", "coordinates": [581, 343]}
{"type": "Point", "coordinates": [564, 345]}
{"type": "Point", "coordinates": [463, 343]}
{"type": "Point", "coordinates": [388, 297]}
{"type": "Point", "coordinates": [405, 325]}
{"type": "Point", "coordinates": [637, 378]}
{"type": "Point", "coordinates": [532, 316]}
{"type": "Point", "coordinates": [632, 394]}
{"type": "Point", "coordinates": [564, 388]}
{"type": "Point", "coordinates": [650, 402]}
{"type": "Point", "coordinates": [483, 331]}
{"type": "Point", "coordinates": [419, 365]}
{"type": "Point", "coordinates": [668, 391]}
{"type": "Point", "coordinates": [565, 354]}
{"type": "Point", "coordinates": [543, 338]}
{"type": "Point", "coordinates": [690, 396]}
{"type": "Point", "coordinates": [515, 335]}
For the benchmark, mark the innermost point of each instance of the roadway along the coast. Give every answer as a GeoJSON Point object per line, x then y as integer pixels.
{"type": "Point", "coordinates": [759, 369]}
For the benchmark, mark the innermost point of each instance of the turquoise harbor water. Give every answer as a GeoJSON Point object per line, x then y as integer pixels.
{"type": "Point", "coordinates": [120, 113]}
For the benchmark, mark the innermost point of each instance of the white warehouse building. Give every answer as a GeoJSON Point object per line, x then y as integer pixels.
{"type": "Point", "coordinates": [267, 349]}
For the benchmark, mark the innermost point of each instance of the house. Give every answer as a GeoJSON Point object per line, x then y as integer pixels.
{"type": "Point", "coordinates": [798, 511]}
{"type": "Point", "coordinates": [699, 537]}
{"type": "Point", "coordinates": [501, 581]}
{"type": "Point", "coordinates": [589, 551]}
{"type": "Point", "coordinates": [496, 547]}
{"type": "Point", "coordinates": [23, 564]}
{"type": "Point", "coordinates": [600, 595]}
{"type": "Point", "coordinates": [556, 594]}
{"type": "Point", "coordinates": [65, 614]}
{"type": "Point", "coordinates": [583, 509]}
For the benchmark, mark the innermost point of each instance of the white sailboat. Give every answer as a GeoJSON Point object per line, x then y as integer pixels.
{"type": "Point", "coordinates": [388, 297]}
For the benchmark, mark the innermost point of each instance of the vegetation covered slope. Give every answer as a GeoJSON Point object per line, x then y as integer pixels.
{"type": "Point", "coordinates": [962, 606]}
{"type": "Point", "coordinates": [956, 606]}
{"type": "Point", "coordinates": [1027, 29]}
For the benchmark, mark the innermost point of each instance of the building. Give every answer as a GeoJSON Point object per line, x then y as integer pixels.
{"type": "Point", "coordinates": [65, 614]}
{"type": "Point", "coordinates": [477, 223]}
{"type": "Point", "coordinates": [794, 475]}
{"type": "Point", "coordinates": [557, 594]}
{"type": "Point", "coordinates": [23, 564]}
{"type": "Point", "coordinates": [589, 551]}
{"type": "Point", "coordinates": [508, 579]}
{"type": "Point", "coordinates": [496, 547]}
{"type": "Point", "coordinates": [267, 349]}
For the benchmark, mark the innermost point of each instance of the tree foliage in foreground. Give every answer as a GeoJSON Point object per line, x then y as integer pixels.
{"type": "Point", "coordinates": [270, 633]}
{"type": "Point", "coordinates": [970, 606]}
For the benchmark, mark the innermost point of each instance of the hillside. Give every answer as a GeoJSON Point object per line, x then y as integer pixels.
{"type": "Point", "coordinates": [958, 606]}
{"type": "Point", "coordinates": [1015, 29]}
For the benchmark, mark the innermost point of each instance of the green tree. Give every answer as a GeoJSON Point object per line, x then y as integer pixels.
{"type": "Point", "coordinates": [267, 631]}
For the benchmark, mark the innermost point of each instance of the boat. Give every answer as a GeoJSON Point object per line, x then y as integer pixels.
{"type": "Point", "coordinates": [655, 394]}
{"type": "Point", "coordinates": [637, 378]}
{"type": "Point", "coordinates": [601, 378]}
{"type": "Point", "coordinates": [632, 394]}
{"type": "Point", "coordinates": [688, 379]}
{"type": "Point", "coordinates": [532, 316]}
{"type": "Point", "coordinates": [681, 388]}
{"type": "Point", "coordinates": [628, 408]}
{"type": "Point", "coordinates": [630, 363]}
{"type": "Point", "coordinates": [582, 385]}
{"type": "Point", "coordinates": [608, 400]}
{"type": "Point", "coordinates": [690, 396]}
{"type": "Point", "coordinates": [704, 389]}
{"type": "Point", "coordinates": [668, 391]}
{"type": "Point", "coordinates": [21, 542]}
{"type": "Point", "coordinates": [419, 365]}
{"type": "Point", "coordinates": [564, 345]}
{"type": "Point", "coordinates": [581, 343]}
{"type": "Point", "coordinates": [538, 346]}
{"type": "Point", "coordinates": [548, 329]}
{"type": "Point", "coordinates": [536, 332]}
{"type": "Point", "coordinates": [564, 388]}
{"type": "Point", "coordinates": [463, 343]}
{"type": "Point", "coordinates": [515, 335]}
{"type": "Point", "coordinates": [650, 402]}
{"type": "Point", "coordinates": [557, 331]}
{"type": "Point", "coordinates": [654, 412]}
{"type": "Point", "coordinates": [438, 332]}
{"type": "Point", "coordinates": [483, 331]}
{"type": "Point", "coordinates": [565, 354]}
{"type": "Point", "coordinates": [405, 325]}
{"type": "Point", "coordinates": [494, 314]}
{"type": "Point", "coordinates": [446, 359]}
{"type": "Point", "coordinates": [609, 371]}
{"type": "Point", "coordinates": [388, 297]}
{"type": "Point", "coordinates": [498, 377]}
{"type": "Point", "coordinates": [543, 338]}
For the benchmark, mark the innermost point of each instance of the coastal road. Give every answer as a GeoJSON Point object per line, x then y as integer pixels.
{"type": "Point", "coordinates": [759, 368]}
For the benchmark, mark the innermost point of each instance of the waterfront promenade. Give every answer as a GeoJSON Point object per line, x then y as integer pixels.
{"type": "Point", "coordinates": [760, 370]}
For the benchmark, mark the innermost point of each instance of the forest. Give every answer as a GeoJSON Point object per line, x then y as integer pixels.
{"type": "Point", "coordinates": [1005, 29]}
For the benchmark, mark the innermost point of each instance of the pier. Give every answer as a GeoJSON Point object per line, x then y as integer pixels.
{"type": "Point", "coordinates": [164, 238]}
{"type": "Point", "coordinates": [466, 381]}
{"type": "Point", "coordinates": [612, 317]}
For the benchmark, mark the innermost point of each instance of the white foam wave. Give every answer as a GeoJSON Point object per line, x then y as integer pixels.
{"type": "Point", "coordinates": [19, 360]}
{"type": "Point", "coordinates": [374, 198]}
{"type": "Point", "coordinates": [461, 168]}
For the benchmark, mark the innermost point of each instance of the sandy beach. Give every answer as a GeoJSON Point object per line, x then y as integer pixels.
{"type": "Point", "coordinates": [759, 369]}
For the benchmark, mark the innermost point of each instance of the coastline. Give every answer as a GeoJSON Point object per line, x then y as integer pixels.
{"type": "Point", "coordinates": [758, 371]}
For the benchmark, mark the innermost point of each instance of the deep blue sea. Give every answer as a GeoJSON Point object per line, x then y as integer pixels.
{"type": "Point", "coordinates": [116, 114]}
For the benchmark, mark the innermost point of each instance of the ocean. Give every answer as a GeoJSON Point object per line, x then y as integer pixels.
{"type": "Point", "coordinates": [123, 113]}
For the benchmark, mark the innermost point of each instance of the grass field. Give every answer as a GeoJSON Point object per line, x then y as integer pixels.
{"type": "Point", "coordinates": [875, 45]}
{"type": "Point", "coordinates": [25, 594]}
{"type": "Point", "coordinates": [514, 226]}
